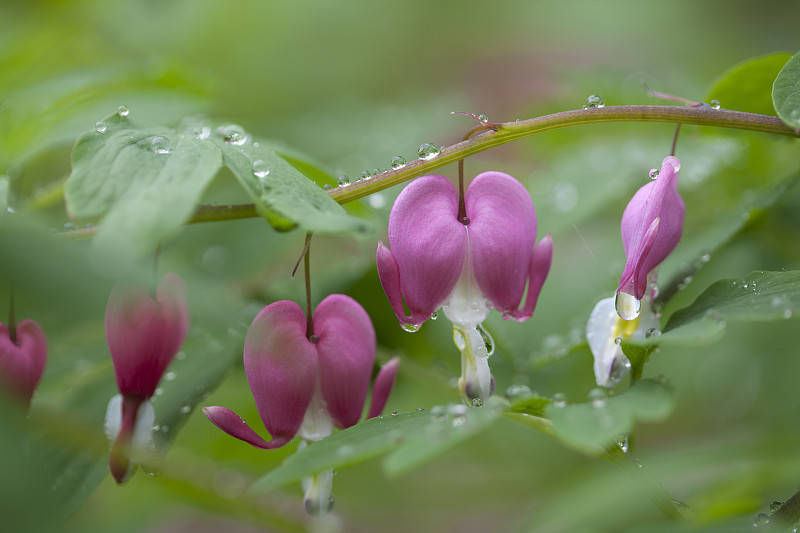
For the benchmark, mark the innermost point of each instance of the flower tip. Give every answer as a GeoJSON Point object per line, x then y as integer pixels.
{"type": "Point", "coordinates": [382, 387]}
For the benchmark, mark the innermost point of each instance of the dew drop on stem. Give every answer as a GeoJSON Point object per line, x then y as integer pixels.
{"type": "Point", "coordinates": [428, 151]}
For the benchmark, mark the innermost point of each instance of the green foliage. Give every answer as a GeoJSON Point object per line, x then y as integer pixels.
{"type": "Point", "coordinates": [786, 92]}
{"type": "Point", "coordinates": [596, 425]}
{"type": "Point", "coordinates": [748, 85]}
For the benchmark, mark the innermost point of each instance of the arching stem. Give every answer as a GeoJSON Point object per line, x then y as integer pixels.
{"type": "Point", "coordinates": [675, 139]}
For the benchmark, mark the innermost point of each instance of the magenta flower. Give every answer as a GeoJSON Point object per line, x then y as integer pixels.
{"type": "Point", "coordinates": [484, 260]}
{"type": "Point", "coordinates": [143, 335]}
{"type": "Point", "coordinates": [22, 359]}
{"type": "Point", "coordinates": [307, 386]}
{"type": "Point", "coordinates": [490, 256]}
{"type": "Point", "coordinates": [651, 228]}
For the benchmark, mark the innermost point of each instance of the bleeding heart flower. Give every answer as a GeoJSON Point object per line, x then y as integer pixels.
{"type": "Point", "coordinates": [307, 386]}
{"type": "Point", "coordinates": [652, 225]}
{"type": "Point", "coordinates": [466, 265]}
{"type": "Point", "coordinates": [22, 359]}
{"type": "Point", "coordinates": [143, 335]}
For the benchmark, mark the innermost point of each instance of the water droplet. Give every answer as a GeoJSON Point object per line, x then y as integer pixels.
{"type": "Point", "coordinates": [434, 316]}
{"type": "Point", "coordinates": [181, 355]}
{"type": "Point", "coordinates": [394, 413]}
{"type": "Point", "coordinates": [169, 376]}
{"type": "Point", "coordinates": [760, 519]}
{"type": "Point", "coordinates": [411, 328]}
{"type": "Point", "coordinates": [627, 306]}
{"type": "Point", "coordinates": [619, 369]}
{"type": "Point", "coordinates": [559, 399]}
{"type": "Point", "coordinates": [458, 339]}
{"type": "Point", "coordinates": [652, 332]}
{"type": "Point", "coordinates": [457, 409]}
{"type": "Point", "coordinates": [398, 161]}
{"type": "Point", "coordinates": [488, 341]}
{"type": "Point", "coordinates": [420, 409]}
{"type": "Point", "coordinates": [484, 118]}
{"type": "Point", "coordinates": [260, 168]}
{"type": "Point", "coordinates": [477, 402]}
{"type": "Point", "coordinates": [428, 151]}
{"type": "Point", "coordinates": [682, 507]}
{"type": "Point", "coordinates": [68, 226]}
{"type": "Point", "coordinates": [232, 134]}
{"type": "Point", "coordinates": [598, 397]}
{"type": "Point", "coordinates": [100, 127]}
{"type": "Point", "coordinates": [774, 506]}
{"type": "Point", "coordinates": [705, 258]}
{"type": "Point", "coordinates": [160, 145]}
{"type": "Point", "coordinates": [618, 340]}
{"type": "Point", "coordinates": [344, 181]}
{"type": "Point", "coordinates": [159, 391]}
{"type": "Point", "coordinates": [201, 132]}
{"type": "Point", "coordinates": [327, 186]}
{"type": "Point", "coordinates": [185, 409]}
{"type": "Point", "coordinates": [595, 100]}
{"type": "Point", "coordinates": [376, 171]}
{"type": "Point", "coordinates": [123, 111]}
{"type": "Point", "coordinates": [517, 393]}
{"type": "Point", "coordinates": [715, 104]}
{"type": "Point", "coordinates": [653, 173]}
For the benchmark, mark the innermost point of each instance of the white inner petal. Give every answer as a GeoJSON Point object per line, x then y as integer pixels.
{"type": "Point", "coordinates": [317, 422]}
{"type": "Point", "coordinates": [142, 441]}
{"type": "Point", "coordinates": [466, 307]}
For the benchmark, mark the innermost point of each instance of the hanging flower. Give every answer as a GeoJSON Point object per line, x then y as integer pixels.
{"type": "Point", "coordinates": [651, 227]}
{"type": "Point", "coordinates": [23, 354]}
{"type": "Point", "coordinates": [303, 386]}
{"type": "Point", "coordinates": [485, 259]}
{"type": "Point", "coordinates": [307, 384]}
{"type": "Point", "coordinates": [143, 336]}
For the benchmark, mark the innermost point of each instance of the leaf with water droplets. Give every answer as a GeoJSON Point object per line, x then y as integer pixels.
{"type": "Point", "coordinates": [284, 196]}
{"type": "Point", "coordinates": [786, 92]}
{"type": "Point", "coordinates": [594, 426]}
{"type": "Point", "coordinates": [747, 86]}
{"type": "Point", "coordinates": [759, 296]}
{"type": "Point", "coordinates": [144, 181]}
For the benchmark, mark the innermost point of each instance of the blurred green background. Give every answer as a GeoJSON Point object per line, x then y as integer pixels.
{"type": "Point", "coordinates": [353, 84]}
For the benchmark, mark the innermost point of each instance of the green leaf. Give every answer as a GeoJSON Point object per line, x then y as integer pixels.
{"type": "Point", "coordinates": [786, 92]}
{"type": "Point", "coordinates": [747, 86]}
{"type": "Point", "coordinates": [759, 296]}
{"type": "Point", "coordinates": [353, 445]}
{"type": "Point", "coordinates": [147, 181]}
{"type": "Point", "coordinates": [282, 194]}
{"type": "Point", "coordinates": [596, 425]}
{"type": "Point", "coordinates": [415, 438]}
{"type": "Point", "coordinates": [3, 194]}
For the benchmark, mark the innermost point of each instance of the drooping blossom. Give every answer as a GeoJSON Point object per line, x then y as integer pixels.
{"type": "Point", "coordinates": [22, 359]}
{"type": "Point", "coordinates": [651, 227]}
{"type": "Point", "coordinates": [306, 385]}
{"type": "Point", "coordinates": [143, 335]}
{"type": "Point", "coordinates": [467, 265]}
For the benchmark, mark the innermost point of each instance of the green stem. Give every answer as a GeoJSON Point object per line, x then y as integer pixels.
{"type": "Point", "coordinates": [511, 131]}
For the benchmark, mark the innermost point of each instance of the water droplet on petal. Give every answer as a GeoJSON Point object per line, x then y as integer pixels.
{"type": "Point", "coordinates": [123, 111]}
{"type": "Point", "coordinates": [100, 127]}
{"type": "Point", "coordinates": [714, 104]}
{"type": "Point", "coordinates": [458, 339]}
{"type": "Point", "coordinates": [428, 151]}
{"type": "Point", "coordinates": [344, 181]}
{"type": "Point", "coordinates": [488, 341]}
{"type": "Point", "coordinates": [595, 100]}
{"type": "Point", "coordinates": [398, 161]}
{"type": "Point", "coordinates": [160, 145]}
{"type": "Point", "coordinates": [232, 134]}
{"type": "Point", "coordinates": [627, 306]}
{"type": "Point", "coordinates": [411, 328]}
{"type": "Point", "coordinates": [260, 168]}
{"type": "Point", "coordinates": [477, 402]}
{"type": "Point", "coordinates": [434, 316]}
{"type": "Point", "coordinates": [653, 173]}
{"type": "Point", "coordinates": [618, 340]}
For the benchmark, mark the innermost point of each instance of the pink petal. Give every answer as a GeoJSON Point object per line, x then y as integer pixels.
{"type": "Point", "coordinates": [346, 356]}
{"type": "Point", "coordinates": [22, 364]}
{"type": "Point", "coordinates": [389, 275]}
{"type": "Point", "coordinates": [539, 268]}
{"type": "Point", "coordinates": [235, 426]}
{"type": "Point", "coordinates": [428, 244]}
{"type": "Point", "coordinates": [382, 387]}
{"type": "Point", "coordinates": [281, 367]}
{"type": "Point", "coordinates": [502, 231]}
{"type": "Point", "coordinates": [658, 199]}
{"type": "Point", "coordinates": [144, 334]}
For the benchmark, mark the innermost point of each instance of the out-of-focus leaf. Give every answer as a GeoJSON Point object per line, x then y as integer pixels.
{"type": "Point", "coordinates": [596, 425]}
{"type": "Point", "coordinates": [353, 445]}
{"type": "Point", "coordinates": [3, 194]}
{"type": "Point", "coordinates": [759, 296]}
{"type": "Point", "coordinates": [282, 194]}
{"type": "Point", "coordinates": [147, 181]}
{"type": "Point", "coordinates": [747, 86]}
{"type": "Point", "coordinates": [786, 92]}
